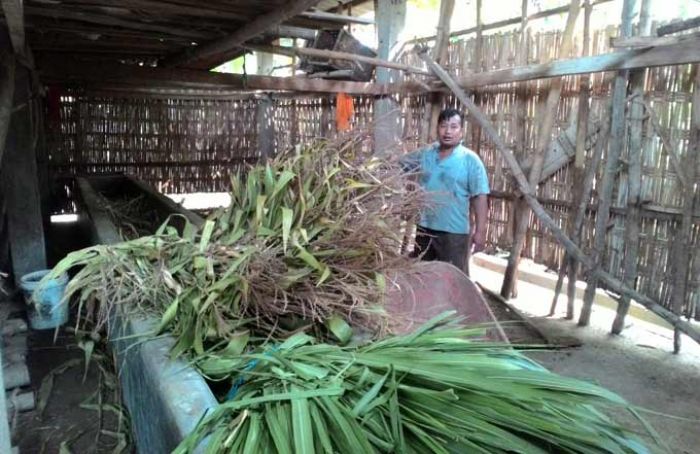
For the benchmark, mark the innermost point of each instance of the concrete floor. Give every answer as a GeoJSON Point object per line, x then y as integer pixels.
{"type": "Point", "coordinates": [637, 365]}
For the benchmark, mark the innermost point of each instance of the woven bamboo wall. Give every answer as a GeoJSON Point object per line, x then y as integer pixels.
{"type": "Point", "coordinates": [178, 146]}
{"type": "Point", "coordinates": [193, 145]}
{"type": "Point", "coordinates": [668, 91]}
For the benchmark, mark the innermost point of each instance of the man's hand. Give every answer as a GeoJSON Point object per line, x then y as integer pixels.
{"type": "Point", "coordinates": [478, 241]}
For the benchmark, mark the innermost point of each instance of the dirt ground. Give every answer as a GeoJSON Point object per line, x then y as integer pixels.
{"type": "Point", "coordinates": [637, 365]}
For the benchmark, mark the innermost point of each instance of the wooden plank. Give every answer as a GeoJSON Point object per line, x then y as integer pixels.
{"type": "Point", "coordinates": [14, 16]}
{"type": "Point", "coordinates": [60, 14]}
{"type": "Point", "coordinates": [332, 17]}
{"type": "Point", "coordinates": [330, 54]}
{"type": "Point", "coordinates": [68, 71]}
{"type": "Point", "coordinates": [652, 41]}
{"type": "Point", "coordinates": [675, 54]}
{"type": "Point", "coordinates": [529, 195]}
{"type": "Point", "coordinates": [678, 26]}
{"type": "Point", "coordinates": [211, 54]}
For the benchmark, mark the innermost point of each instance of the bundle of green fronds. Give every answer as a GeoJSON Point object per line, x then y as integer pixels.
{"type": "Point", "coordinates": [433, 391]}
{"type": "Point", "coordinates": [307, 238]}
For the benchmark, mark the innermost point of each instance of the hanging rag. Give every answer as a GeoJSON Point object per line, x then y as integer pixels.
{"type": "Point", "coordinates": [344, 110]}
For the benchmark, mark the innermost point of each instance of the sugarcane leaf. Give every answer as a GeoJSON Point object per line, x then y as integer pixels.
{"type": "Point", "coordinates": [285, 177]}
{"type": "Point", "coordinates": [295, 341]}
{"type": "Point", "coordinates": [207, 231]}
{"type": "Point", "coordinates": [237, 344]}
{"type": "Point", "coordinates": [380, 280]}
{"type": "Point", "coordinates": [362, 404]}
{"type": "Point", "coordinates": [287, 218]}
{"type": "Point", "coordinates": [324, 275]}
{"type": "Point", "coordinates": [169, 314]}
{"type": "Point", "coordinates": [340, 329]}
{"type": "Point", "coordinates": [302, 426]}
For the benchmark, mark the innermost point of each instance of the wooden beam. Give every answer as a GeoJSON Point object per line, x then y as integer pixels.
{"type": "Point", "coordinates": [332, 17]}
{"type": "Point", "coordinates": [652, 41]}
{"type": "Point", "coordinates": [210, 54]}
{"type": "Point", "coordinates": [345, 5]}
{"type": "Point", "coordinates": [14, 16]}
{"type": "Point", "coordinates": [68, 71]}
{"type": "Point", "coordinates": [504, 23]}
{"type": "Point", "coordinates": [60, 14]}
{"type": "Point", "coordinates": [7, 92]}
{"type": "Point", "coordinates": [329, 54]}
{"type": "Point", "coordinates": [675, 54]}
{"type": "Point", "coordinates": [528, 192]}
{"type": "Point", "coordinates": [678, 26]}
{"type": "Point", "coordinates": [289, 31]}
{"type": "Point", "coordinates": [618, 125]}
{"type": "Point", "coordinates": [543, 139]}
{"type": "Point", "coordinates": [634, 175]}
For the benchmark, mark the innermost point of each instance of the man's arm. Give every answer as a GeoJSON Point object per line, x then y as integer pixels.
{"type": "Point", "coordinates": [481, 212]}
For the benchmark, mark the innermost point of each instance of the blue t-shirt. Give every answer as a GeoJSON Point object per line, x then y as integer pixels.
{"type": "Point", "coordinates": [450, 183]}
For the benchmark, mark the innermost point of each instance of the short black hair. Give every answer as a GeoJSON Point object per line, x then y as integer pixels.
{"type": "Point", "coordinates": [448, 113]}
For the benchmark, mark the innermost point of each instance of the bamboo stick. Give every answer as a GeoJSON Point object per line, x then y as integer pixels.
{"type": "Point", "coordinates": [544, 137]}
{"type": "Point", "coordinates": [433, 107]}
{"type": "Point", "coordinates": [568, 265]}
{"type": "Point", "coordinates": [683, 239]}
{"type": "Point", "coordinates": [617, 132]}
{"type": "Point", "coordinates": [529, 195]}
{"type": "Point", "coordinates": [634, 176]}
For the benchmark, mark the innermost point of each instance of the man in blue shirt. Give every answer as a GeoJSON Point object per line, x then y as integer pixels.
{"type": "Point", "coordinates": [454, 178]}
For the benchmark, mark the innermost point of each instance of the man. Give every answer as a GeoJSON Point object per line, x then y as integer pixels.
{"type": "Point", "coordinates": [454, 178]}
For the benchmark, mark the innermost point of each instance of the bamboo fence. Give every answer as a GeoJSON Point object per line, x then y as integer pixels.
{"type": "Point", "coordinates": [193, 145]}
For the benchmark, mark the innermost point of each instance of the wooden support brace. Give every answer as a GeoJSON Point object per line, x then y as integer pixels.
{"type": "Point", "coordinates": [612, 282]}
{"type": "Point", "coordinates": [334, 55]}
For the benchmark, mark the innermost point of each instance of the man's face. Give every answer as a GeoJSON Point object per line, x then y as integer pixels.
{"type": "Point", "coordinates": [450, 132]}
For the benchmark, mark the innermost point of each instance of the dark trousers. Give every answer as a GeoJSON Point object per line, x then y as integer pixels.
{"type": "Point", "coordinates": [448, 247]}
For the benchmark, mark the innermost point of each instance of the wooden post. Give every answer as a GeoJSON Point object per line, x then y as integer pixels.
{"type": "Point", "coordinates": [544, 137]}
{"type": "Point", "coordinates": [21, 187]}
{"type": "Point", "coordinates": [569, 266]}
{"type": "Point", "coordinates": [478, 66]}
{"type": "Point", "coordinates": [617, 138]}
{"type": "Point", "coordinates": [7, 92]}
{"type": "Point", "coordinates": [390, 20]}
{"type": "Point", "coordinates": [442, 43]}
{"type": "Point", "coordinates": [265, 128]}
{"type": "Point", "coordinates": [520, 123]}
{"type": "Point", "coordinates": [634, 176]}
{"type": "Point", "coordinates": [681, 260]}
{"type": "Point", "coordinates": [611, 281]}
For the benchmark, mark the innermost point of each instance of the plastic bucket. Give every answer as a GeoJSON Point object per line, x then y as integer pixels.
{"type": "Point", "coordinates": [46, 311]}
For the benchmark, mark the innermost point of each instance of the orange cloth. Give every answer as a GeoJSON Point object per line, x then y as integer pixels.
{"type": "Point", "coordinates": [344, 110]}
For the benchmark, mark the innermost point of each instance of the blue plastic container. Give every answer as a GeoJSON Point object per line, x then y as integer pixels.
{"type": "Point", "coordinates": [46, 310]}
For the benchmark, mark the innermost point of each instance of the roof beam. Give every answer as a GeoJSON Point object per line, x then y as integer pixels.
{"type": "Point", "coordinates": [67, 71]}
{"type": "Point", "coordinates": [334, 55]}
{"type": "Point", "coordinates": [332, 17]}
{"type": "Point", "coordinates": [14, 16]}
{"type": "Point", "coordinates": [678, 26]}
{"type": "Point", "coordinates": [210, 55]}
{"type": "Point", "coordinates": [674, 54]}
{"type": "Point", "coordinates": [58, 13]}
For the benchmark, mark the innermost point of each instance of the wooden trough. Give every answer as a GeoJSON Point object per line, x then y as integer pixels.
{"type": "Point", "coordinates": [166, 398]}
